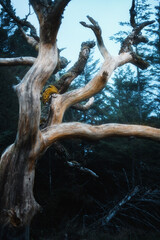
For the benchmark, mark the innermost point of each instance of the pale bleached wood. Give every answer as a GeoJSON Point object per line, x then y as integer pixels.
{"type": "Point", "coordinates": [17, 61]}
{"type": "Point", "coordinates": [84, 107]}
{"type": "Point", "coordinates": [29, 90]}
{"type": "Point", "coordinates": [61, 102]}
{"type": "Point", "coordinates": [98, 33]}
{"type": "Point", "coordinates": [126, 55]}
{"type": "Point", "coordinates": [17, 165]}
{"type": "Point", "coordinates": [82, 130]}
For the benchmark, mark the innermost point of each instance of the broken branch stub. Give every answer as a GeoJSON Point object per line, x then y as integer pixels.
{"type": "Point", "coordinates": [66, 79]}
{"type": "Point", "coordinates": [94, 26]}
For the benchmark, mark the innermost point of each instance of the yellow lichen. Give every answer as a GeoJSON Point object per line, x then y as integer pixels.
{"type": "Point", "coordinates": [47, 93]}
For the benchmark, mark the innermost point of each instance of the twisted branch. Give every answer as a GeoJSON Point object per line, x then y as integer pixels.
{"type": "Point", "coordinates": [94, 26]}
{"type": "Point", "coordinates": [81, 130]}
{"type": "Point", "coordinates": [20, 22]}
{"type": "Point", "coordinates": [84, 107]}
{"type": "Point", "coordinates": [65, 81]}
{"type": "Point", "coordinates": [17, 61]}
{"type": "Point", "coordinates": [134, 38]}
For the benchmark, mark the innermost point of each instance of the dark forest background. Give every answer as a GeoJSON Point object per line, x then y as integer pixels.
{"type": "Point", "coordinates": [124, 201]}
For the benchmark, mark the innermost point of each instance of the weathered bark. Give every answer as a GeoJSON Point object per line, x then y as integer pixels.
{"type": "Point", "coordinates": [17, 202]}
{"type": "Point", "coordinates": [84, 107]}
{"type": "Point", "coordinates": [82, 130]}
{"type": "Point", "coordinates": [60, 103]}
{"type": "Point", "coordinates": [17, 61]}
{"type": "Point", "coordinates": [18, 162]}
{"type": "Point", "coordinates": [61, 64]}
{"type": "Point", "coordinates": [17, 165]}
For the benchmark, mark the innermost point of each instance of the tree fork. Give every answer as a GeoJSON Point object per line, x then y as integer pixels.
{"type": "Point", "coordinates": [17, 166]}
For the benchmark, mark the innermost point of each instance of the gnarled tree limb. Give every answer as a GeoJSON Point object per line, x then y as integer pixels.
{"type": "Point", "coordinates": [17, 61]}
{"type": "Point", "coordinates": [62, 63]}
{"type": "Point", "coordinates": [61, 102]}
{"type": "Point", "coordinates": [17, 166]}
{"type": "Point", "coordinates": [134, 38]}
{"type": "Point", "coordinates": [20, 22]}
{"type": "Point", "coordinates": [82, 130]}
{"type": "Point", "coordinates": [65, 81]}
{"type": "Point", "coordinates": [126, 55]}
{"type": "Point", "coordinates": [84, 107]}
{"type": "Point", "coordinates": [98, 33]}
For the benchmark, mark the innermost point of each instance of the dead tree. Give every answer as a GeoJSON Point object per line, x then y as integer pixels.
{"type": "Point", "coordinates": [17, 164]}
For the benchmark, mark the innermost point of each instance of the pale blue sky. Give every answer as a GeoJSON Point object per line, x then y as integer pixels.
{"type": "Point", "coordinates": [108, 13]}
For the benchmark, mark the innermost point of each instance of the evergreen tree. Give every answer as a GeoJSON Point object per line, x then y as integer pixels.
{"type": "Point", "coordinates": [143, 13]}
{"type": "Point", "coordinates": [10, 75]}
{"type": "Point", "coordinates": [7, 100]}
{"type": "Point", "coordinates": [84, 116]}
{"type": "Point", "coordinates": [145, 79]}
{"type": "Point", "coordinates": [154, 86]}
{"type": "Point", "coordinates": [123, 97]}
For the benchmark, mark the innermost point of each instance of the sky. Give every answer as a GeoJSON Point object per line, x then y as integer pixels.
{"type": "Point", "coordinates": [108, 13]}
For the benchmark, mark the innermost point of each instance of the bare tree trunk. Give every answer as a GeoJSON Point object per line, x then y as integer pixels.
{"type": "Point", "coordinates": [17, 164]}
{"type": "Point", "coordinates": [17, 202]}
